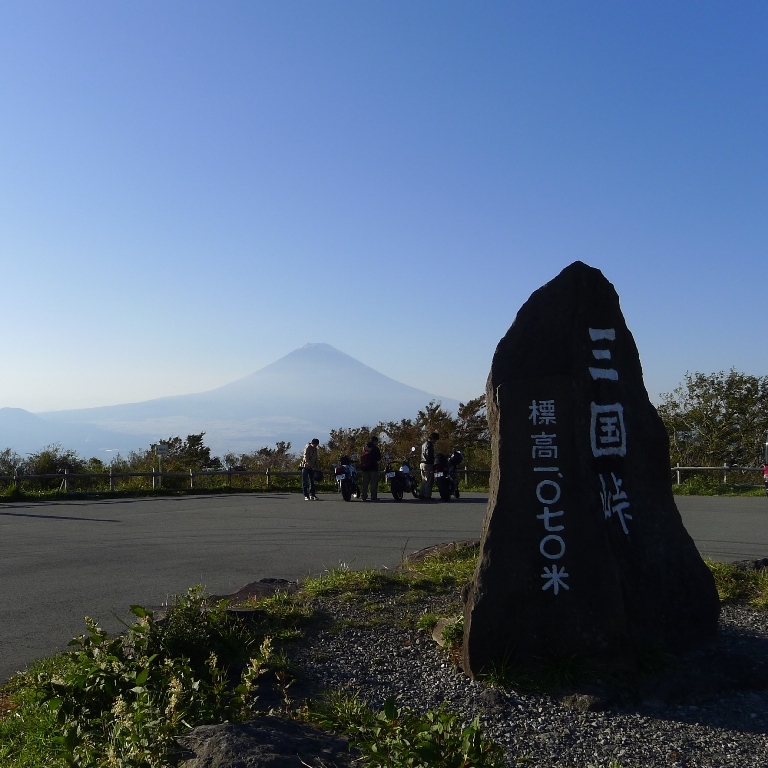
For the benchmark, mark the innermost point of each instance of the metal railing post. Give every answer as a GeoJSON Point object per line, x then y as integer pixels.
{"type": "Point", "coordinates": [191, 479]}
{"type": "Point", "coordinates": [17, 478]}
{"type": "Point", "coordinates": [66, 479]}
{"type": "Point", "coordinates": [678, 472]}
{"type": "Point", "coordinates": [268, 477]}
{"type": "Point", "coordinates": [111, 480]}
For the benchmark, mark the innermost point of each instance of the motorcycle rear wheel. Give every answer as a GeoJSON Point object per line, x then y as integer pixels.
{"type": "Point", "coordinates": [444, 489]}
{"type": "Point", "coordinates": [346, 490]}
{"type": "Point", "coordinates": [456, 492]}
{"type": "Point", "coordinates": [397, 491]}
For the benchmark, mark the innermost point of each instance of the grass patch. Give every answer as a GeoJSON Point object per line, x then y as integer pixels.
{"type": "Point", "coordinates": [343, 580]}
{"type": "Point", "coordinates": [282, 616]}
{"type": "Point", "coordinates": [711, 484]}
{"type": "Point", "coordinates": [426, 622]}
{"type": "Point", "coordinates": [27, 726]}
{"type": "Point", "coordinates": [397, 736]}
{"type": "Point", "coordinates": [445, 570]}
{"type": "Point", "coordinates": [734, 584]}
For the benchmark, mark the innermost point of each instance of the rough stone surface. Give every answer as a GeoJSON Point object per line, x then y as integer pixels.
{"type": "Point", "coordinates": [266, 742]}
{"type": "Point", "coordinates": [258, 589]}
{"type": "Point", "coordinates": [752, 565]}
{"type": "Point", "coordinates": [440, 626]}
{"type": "Point", "coordinates": [583, 552]}
{"type": "Point", "coordinates": [439, 549]}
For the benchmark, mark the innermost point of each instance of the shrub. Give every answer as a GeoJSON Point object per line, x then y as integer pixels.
{"type": "Point", "coordinates": [122, 700]}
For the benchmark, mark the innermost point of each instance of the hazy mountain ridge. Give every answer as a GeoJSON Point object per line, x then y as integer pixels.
{"type": "Point", "coordinates": [304, 394]}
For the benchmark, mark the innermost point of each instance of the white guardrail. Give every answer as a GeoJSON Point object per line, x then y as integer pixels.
{"type": "Point", "coordinates": [67, 478]}
{"type": "Point", "coordinates": [725, 469]}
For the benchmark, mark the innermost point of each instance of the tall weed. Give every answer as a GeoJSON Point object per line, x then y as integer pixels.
{"type": "Point", "coordinates": [122, 700]}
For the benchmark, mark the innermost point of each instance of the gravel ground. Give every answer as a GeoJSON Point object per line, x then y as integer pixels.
{"type": "Point", "coordinates": [694, 717]}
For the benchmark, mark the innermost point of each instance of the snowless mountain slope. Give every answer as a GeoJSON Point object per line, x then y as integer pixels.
{"type": "Point", "coordinates": [25, 433]}
{"type": "Point", "coordinates": [305, 394]}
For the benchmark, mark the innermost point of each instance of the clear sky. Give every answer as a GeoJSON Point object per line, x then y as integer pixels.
{"type": "Point", "coordinates": [189, 190]}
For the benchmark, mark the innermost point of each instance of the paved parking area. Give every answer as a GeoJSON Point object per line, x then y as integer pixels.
{"type": "Point", "coordinates": [62, 560]}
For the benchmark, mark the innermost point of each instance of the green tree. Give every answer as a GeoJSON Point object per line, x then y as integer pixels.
{"type": "Point", "coordinates": [472, 435]}
{"type": "Point", "coordinates": [398, 437]}
{"type": "Point", "coordinates": [53, 460]}
{"type": "Point", "coordinates": [434, 418]}
{"type": "Point", "coordinates": [183, 455]}
{"type": "Point", "coordinates": [467, 431]}
{"type": "Point", "coordinates": [10, 461]}
{"type": "Point", "coordinates": [717, 418]}
{"type": "Point", "coordinates": [279, 459]}
{"type": "Point", "coordinates": [191, 453]}
{"type": "Point", "coordinates": [345, 441]}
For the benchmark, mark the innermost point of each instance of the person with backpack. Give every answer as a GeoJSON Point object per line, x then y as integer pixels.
{"type": "Point", "coordinates": [369, 469]}
{"type": "Point", "coordinates": [427, 466]}
{"type": "Point", "coordinates": [310, 463]}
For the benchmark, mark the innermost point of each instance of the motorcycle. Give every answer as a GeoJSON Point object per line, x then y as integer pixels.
{"type": "Point", "coordinates": [346, 477]}
{"type": "Point", "coordinates": [446, 476]}
{"type": "Point", "coordinates": [402, 481]}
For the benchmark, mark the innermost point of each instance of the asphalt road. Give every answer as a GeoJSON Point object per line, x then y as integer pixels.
{"type": "Point", "coordinates": [62, 560]}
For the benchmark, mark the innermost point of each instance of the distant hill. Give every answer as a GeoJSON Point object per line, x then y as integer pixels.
{"type": "Point", "coordinates": [25, 433]}
{"type": "Point", "coordinates": [305, 394]}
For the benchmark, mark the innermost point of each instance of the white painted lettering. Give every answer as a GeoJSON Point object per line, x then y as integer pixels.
{"type": "Point", "coordinates": [560, 544]}
{"type": "Point", "coordinates": [546, 515]}
{"type": "Point", "coordinates": [548, 484]}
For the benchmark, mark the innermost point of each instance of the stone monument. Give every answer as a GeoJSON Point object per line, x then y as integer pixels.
{"type": "Point", "coordinates": [583, 552]}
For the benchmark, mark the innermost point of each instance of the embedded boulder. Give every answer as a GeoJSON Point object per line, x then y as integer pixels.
{"type": "Point", "coordinates": [583, 552]}
{"type": "Point", "coordinates": [264, 742]}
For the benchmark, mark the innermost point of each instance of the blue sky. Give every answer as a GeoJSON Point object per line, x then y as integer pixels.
{"type": "Point", "coordinates": [189, 191]}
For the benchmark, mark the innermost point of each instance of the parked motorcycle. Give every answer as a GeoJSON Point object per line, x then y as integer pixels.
{"type": "Point", "coordinates": [402, 481]}
{"type": "Point", "coordinates": [346, 477]}
{"type": "Point", "coordinates": [446, 476]}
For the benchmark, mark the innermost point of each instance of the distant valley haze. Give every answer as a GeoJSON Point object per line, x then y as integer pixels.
{"type": "Point", "coordinates": [303, 395]}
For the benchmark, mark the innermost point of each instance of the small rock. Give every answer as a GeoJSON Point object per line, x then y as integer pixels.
{"type": "Point", "coordinates": [584, 702]}
{"type": "Point", "coordinates": [437, 632]}
{"type": "Point", "coordinates": [265, 742]}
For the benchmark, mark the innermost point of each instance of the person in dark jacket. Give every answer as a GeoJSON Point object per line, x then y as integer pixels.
{"type": "Point", "coordinates": [369, 469]}
{"type": "Point", "coordinates": [427, 465]}
{"type": "Point", "coordinates": [310, 463]}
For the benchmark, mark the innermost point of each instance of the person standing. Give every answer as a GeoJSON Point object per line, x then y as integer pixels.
{"type": "Point", "coordinates": [427, 465]}
{"type": "Point", "coordinates": [369, 469]}
{"type": "Point", "coordinates": [310, 463]}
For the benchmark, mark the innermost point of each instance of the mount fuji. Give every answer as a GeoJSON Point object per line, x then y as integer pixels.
{"type": "Point", "coordinates": [303, 395]}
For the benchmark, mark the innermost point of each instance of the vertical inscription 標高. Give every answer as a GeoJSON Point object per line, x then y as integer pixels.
{"type": "Point", "coordinates": [544, 452]}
